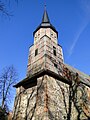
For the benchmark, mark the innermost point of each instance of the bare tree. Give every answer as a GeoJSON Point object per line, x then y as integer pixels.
{"type": "Point", "coordinates": [4, 6]}
{"type": "Point", "coordinates": [7, 79]}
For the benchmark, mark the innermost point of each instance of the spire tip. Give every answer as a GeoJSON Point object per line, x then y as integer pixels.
{"type": "Point", "coordinates": [45, 5]}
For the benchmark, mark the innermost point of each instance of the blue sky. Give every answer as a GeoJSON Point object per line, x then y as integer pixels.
{"type": "Point", "coordinates": [71, 18]}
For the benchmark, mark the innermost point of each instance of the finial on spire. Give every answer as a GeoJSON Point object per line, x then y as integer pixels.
{"type": "Point", "coordinates": [45, 18]}
{"type": "Point", "coordinates": [45, 21]}
{"type": "Point", "coordinates": [45, 4]}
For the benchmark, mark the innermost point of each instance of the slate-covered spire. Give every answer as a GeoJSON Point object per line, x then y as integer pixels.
{"type": "Point", "coordinates": [45, 23]}
{"type": "Point", "coordinates": [45, 18]}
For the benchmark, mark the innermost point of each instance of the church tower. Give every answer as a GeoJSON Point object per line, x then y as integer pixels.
{"type": "Point", "coordinates": [52, 90]}
{"type": "Point", "coordinates": [46, 53]}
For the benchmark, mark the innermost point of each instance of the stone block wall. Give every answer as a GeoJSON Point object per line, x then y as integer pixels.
{"type": "Point", "coordinates": [51, 99]}
{"type": "Point", "coordinates": [45, 59]}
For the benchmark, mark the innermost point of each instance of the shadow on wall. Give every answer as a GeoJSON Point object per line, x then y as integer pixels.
{"type": "Point", "coordinates": [78, 98]}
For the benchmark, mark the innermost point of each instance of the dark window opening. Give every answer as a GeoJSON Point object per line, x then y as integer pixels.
{"type": "Point", "coordinates": [36, 52]}
{"type": "Point", "coordinates": [55, 65]}
{"type": "Point", "coordinates": [54, 50]}
{"type": "Point", "coordinates": [51, 34]}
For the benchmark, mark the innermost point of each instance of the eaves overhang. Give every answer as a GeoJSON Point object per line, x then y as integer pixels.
{"type": "Point", "coordinates": [43, 72]}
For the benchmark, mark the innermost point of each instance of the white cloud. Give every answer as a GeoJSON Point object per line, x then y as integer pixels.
{"type": "Point", "coordinates": [85, 5]}
{"type": "Point", "coordinates": [77, 36]}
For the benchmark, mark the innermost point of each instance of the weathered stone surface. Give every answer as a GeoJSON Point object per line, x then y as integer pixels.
{"type": "Point", "coordinates": [49, 100]}
{"type": "Point", "coordinates": [43, 97]}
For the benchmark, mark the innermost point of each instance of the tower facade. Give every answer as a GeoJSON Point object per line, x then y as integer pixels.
{"type": "Point", "coordinates": [52, 90]}
{"type": "Point", "coordinates": [46, 53]}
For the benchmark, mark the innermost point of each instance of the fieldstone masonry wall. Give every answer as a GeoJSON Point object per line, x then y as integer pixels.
{"type": "Point", "coordinates": [47, 98]}
{"type": "Point", "coordinates": [52, 99]}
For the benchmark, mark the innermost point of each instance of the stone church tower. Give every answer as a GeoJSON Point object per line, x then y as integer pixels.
{"type": "Point", "coordinates": [52, 90]}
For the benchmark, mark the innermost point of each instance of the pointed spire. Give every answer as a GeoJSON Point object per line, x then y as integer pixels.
{"type": "Point", "coordinates": [45, 18]}
{"type": "Point", "coordinates": [45, 22]}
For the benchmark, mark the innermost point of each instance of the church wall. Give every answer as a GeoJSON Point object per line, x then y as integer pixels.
{"type": "Point", "coordinates": [40, 61]}
{"type": "Point", "coordinates": [38, 102]}
{"type": "Point", "coordinates": [45, 31]}
{"type": "Point", "coordinates": [50, 100]}
{"type": "Point", "coordinates": [46, 98]}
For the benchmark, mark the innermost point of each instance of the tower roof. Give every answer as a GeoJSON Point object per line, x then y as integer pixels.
{"type": "Point", "coordinates": [45, 23]}
{"type": "Point", "coordinates": [45, 18]}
